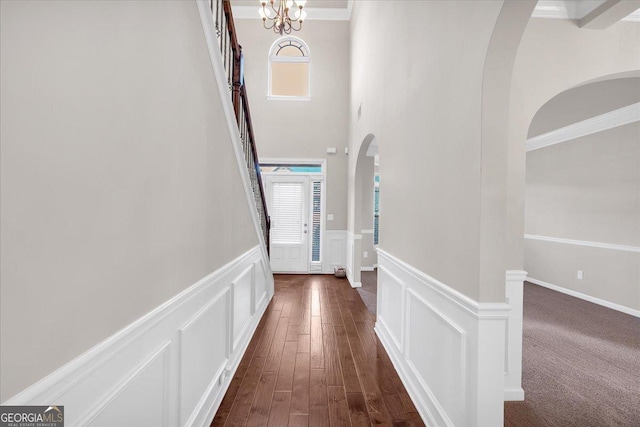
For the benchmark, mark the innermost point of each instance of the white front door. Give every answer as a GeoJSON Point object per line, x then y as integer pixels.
{"type": "Point", "coordinates": [288, 204]}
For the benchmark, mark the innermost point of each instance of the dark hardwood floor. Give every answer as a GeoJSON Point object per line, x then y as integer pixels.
{"type": "Point", "coordinates": [316, 361]}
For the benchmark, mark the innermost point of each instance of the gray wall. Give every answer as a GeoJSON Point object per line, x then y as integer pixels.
{"type": "Point", "coordinates": [119, 185]}
{"type": "Point", "coordinates": [587, 189]}
{"type": "Point", "coordinates": [556, 55]}
{"type": "Point", "coordinates": [584, 102]}
{"type": "Point", "coordinates": [421, 96]}
{"type": "Point", "coordinates": [304, 129]}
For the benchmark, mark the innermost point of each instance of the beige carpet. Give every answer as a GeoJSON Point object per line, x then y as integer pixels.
{"type": "Point", "coordinates": [581, 364]}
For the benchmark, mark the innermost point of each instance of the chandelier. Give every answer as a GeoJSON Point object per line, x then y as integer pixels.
{"type": "Point", "coordinates": [279, 18]}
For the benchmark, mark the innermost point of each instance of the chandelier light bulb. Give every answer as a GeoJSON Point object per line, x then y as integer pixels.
{"type": "Point", "coordinates": [264, 13]}
{"type": "Point", "coordinates": [300, 15]}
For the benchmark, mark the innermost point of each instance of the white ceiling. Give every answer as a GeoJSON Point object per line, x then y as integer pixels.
{"type": "Point", "coordinates": [340, 10]}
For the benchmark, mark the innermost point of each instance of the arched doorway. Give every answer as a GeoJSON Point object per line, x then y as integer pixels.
{"type": "Point", "coordinates": [368, 214]}
{"type": "Point", "coordinates": [361, 232]}
{"type": "Point", "coordinates": [582, 216]}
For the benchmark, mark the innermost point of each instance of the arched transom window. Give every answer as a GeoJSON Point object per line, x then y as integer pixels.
{"type": "Point", "coordinates": [289, 68]}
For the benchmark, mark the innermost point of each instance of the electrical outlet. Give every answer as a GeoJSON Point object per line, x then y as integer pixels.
{"type": "Point", "coordinates": [366, 255]}
{"type": "Point", "coordinates": [579, 275]}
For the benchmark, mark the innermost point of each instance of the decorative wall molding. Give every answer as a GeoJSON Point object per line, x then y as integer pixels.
{"type": "Point", "coordinates": [513, 336]}
{"type": "Point", "coordinates": [544, 9]}
{"type": "Point", "coordinates": [176, 361]}
{"type": "Point", "coordinates": [612, 246]}
{"type": "Point", "coordinates": [206, 19]}
{"type": "Point", "coordinates": [485, 310]}
{"type": "Point", "coordinates": [354, 242]}
{"type": "Point", "coordinates": [390, 296]}
{"type": "Point", "coordinates": [608, 304]}
{"type": "Point", "coordinates": [558, 9]}
{"type": "Point", "coordinates": [448, 349]}
{"type": "Point", "coordinates": [610, 120]}
{"type": "Point", "coordinates": [335, 250]}
{"type": "Point", "coordinates": [367, 231]}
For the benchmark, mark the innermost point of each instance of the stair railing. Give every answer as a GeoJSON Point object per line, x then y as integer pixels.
{"type": "Point", "coordinates": [233, 61]}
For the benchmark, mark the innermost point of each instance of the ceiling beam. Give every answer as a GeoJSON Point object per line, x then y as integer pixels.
{"type": "Point", "coordinates": [608, 13]}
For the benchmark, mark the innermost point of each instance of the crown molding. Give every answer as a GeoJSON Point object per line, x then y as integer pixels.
{"type": "Point", "coordinates": [544, 9]}
{"type": "Point", "coordinates": [558, 9]}
{"type": "Point", "coordinates": [313, 14]}
{"type": "Point", "coordinates": [610, 120]}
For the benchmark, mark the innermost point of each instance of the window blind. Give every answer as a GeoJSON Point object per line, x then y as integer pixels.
{"type": "Point", "coordinates": [286, 215]}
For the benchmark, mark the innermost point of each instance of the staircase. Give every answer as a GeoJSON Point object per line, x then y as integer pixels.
{"type": "Point", "coordinates": [233, 61]}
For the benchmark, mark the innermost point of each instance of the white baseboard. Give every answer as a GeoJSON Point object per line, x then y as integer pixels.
{"type": "Point", "coordinates": [608, 304]}
{"type": "Point", "coordinates": [448, 349]}
{"type": "Point", "coordinates": [367, 268]}
{"type": "Point", "coordinates": [514, 395]}
{"type": "Point", "coordinates": [174, 364]}
{"type": "Point", "coordinates": [414, 390]}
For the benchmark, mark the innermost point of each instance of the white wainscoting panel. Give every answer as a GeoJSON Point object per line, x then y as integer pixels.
{"type": "Point", "coordinates": [354, 243]}
{"type": "Point", "coordinates": [437, 356]}
{"type": "Point", "coordinates": [335, 250]}
{"type": "Point", "coordinates": [204, 352]}
{"type": "Point", "coordinates": [448, 349]}
{"type": "Point", "coordinates": [391, 294]}
{"type": "Point", "coordinates": [148, 380]}
{"type": "Point", "coordinates": [261, 286]}
{"type": "Point", "coordinates": [243, 306]}
{"type": "Point", "coordinates": [350, 257]}
{"type": "Point", "coordinates": [513, 336]}
{"type": "Point", "coordinates": [172, 366]}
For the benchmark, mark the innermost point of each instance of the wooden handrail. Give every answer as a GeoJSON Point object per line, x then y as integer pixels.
{"type": "Point", "coordinates": [247, 112]}
{"type": "Point", "coordinates": [234, 62]}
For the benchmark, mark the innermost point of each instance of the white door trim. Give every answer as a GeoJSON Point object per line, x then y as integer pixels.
{"type": "Point", "coordinates": [322, 176]}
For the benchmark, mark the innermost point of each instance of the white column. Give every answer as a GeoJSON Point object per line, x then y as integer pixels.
{"type": "Point", "coordinates": [513, 349]}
